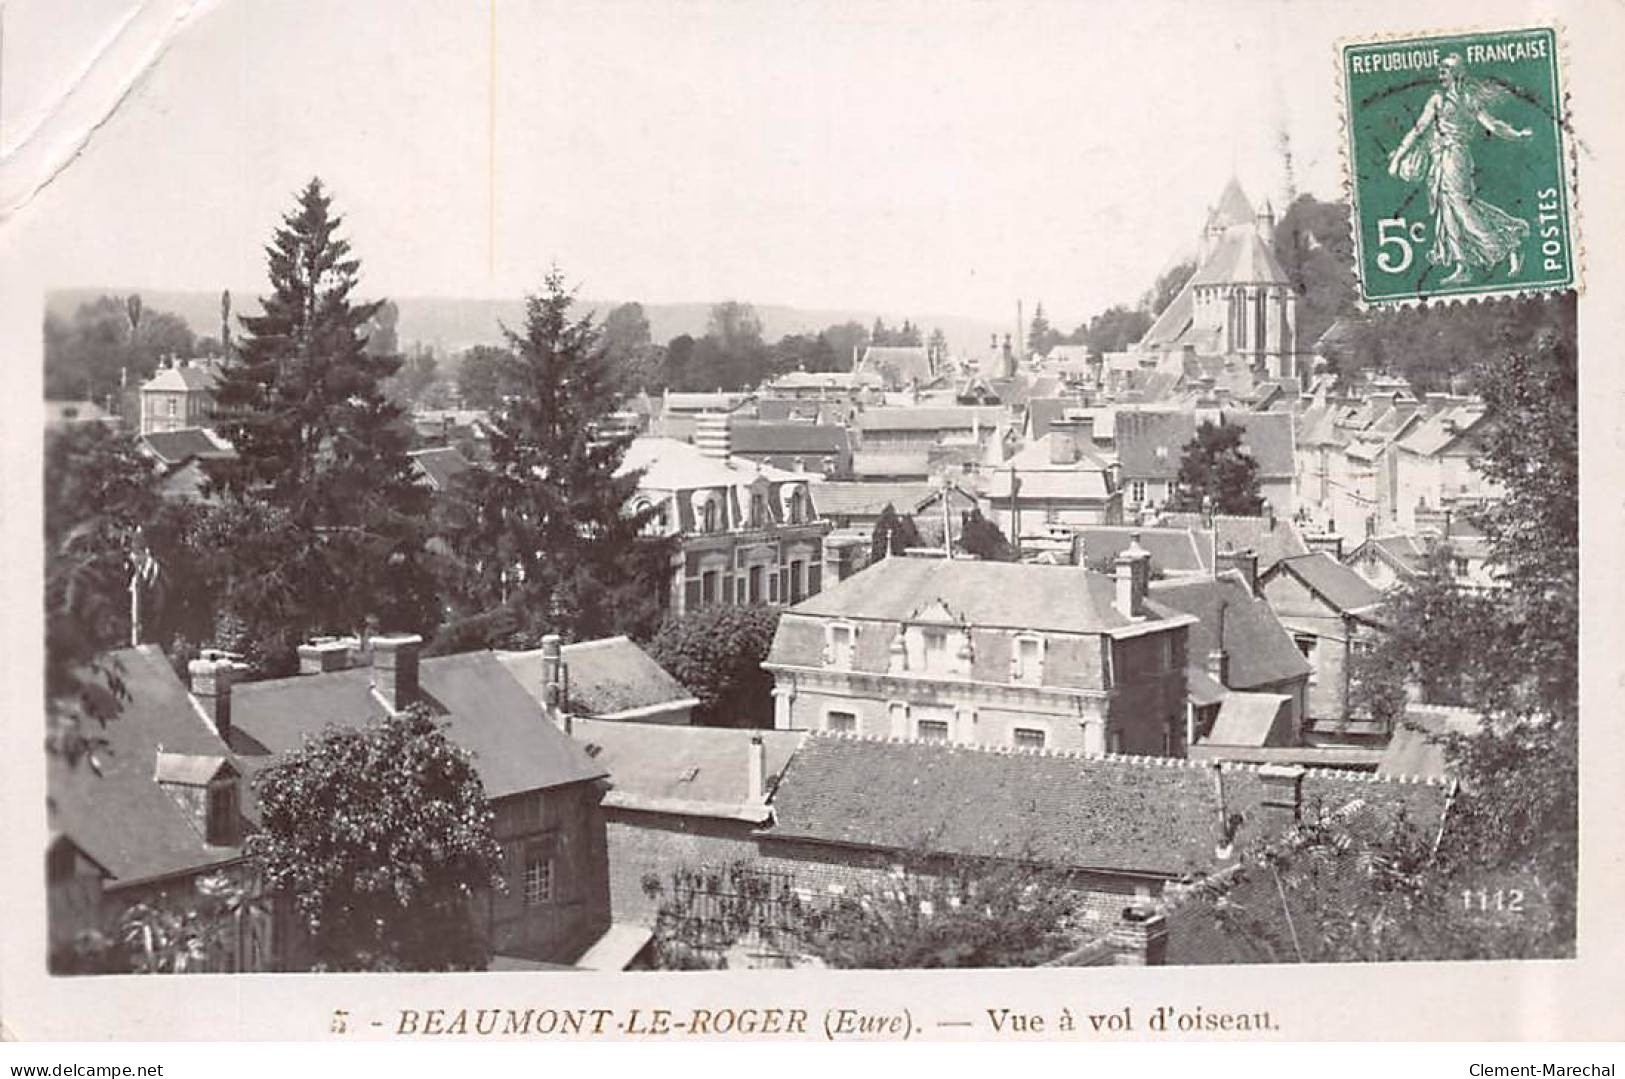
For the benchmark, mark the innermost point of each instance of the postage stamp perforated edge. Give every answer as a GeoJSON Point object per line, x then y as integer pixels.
{"type": "Point", "coordinates": [1569, 163]}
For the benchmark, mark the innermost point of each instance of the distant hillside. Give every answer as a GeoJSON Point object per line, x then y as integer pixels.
{"type": "Point", "coordinates": [451, 325]}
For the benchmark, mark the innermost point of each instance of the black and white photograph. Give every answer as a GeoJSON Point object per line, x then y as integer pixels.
{"type": "Point", "coordinates": [533, 489]}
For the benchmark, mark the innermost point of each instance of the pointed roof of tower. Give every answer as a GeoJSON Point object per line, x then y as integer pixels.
{"type": "Point", "coordinates": [1234, 208]}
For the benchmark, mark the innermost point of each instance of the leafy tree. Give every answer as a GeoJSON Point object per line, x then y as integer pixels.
{"type": "Point", "coordinates": [382, 339]}
{"type": "Point", "coordinates": [804, 352]}
{"type": "Point", "coordinates": [303, 403]}
{"type": "Point", "coordinates": [984, 539]}
{"type": "Point", "coordinates": [626, 329]}
{"type": "Point", "coordinates": [938, 343]}
{"type": "Point", "coordinates": [1217, 472]}
{"type": "Point", "coordinates": [100, 495]}
{"type": "Point", "coordinates": [382, 838]}
{"type": "Point", "coordinates": [893, 533]}
{"type": "Point", "coordinates": [415, 380]}
{"type": "Point", "coordinates": [1113, 330]}
{"type": "Point", "coordinates": [1166, 288]}
{"type": "Point", "coordinates": [479, 376]}
{"type": "Point", "coordinates": [846, 339]}
{"type": "Point", "coordinates": [98, 349]}
{"type": "Point", "coordinates": [717, 652]}
{"type": "Point", "coordinates": [1312, 242]}
{"type": "Point", "coordinates": [545, 524]}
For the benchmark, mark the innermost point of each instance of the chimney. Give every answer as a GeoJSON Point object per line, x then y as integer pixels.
{"type": "Point", "coordinates": [1330, 542]}
{"type": "Point", "coordinates": [1133, 572]}
{"type": "Point", "coordinates": [1218, 665]}
{"type": "Point", "coordinates": [553, 682]}
{"type": "Point", "coordinates": [1140, 938]}
{"type": "Point", "coordinates": [757, 774]}
{"type": "Point", "coordinates": [1269, 515]}
{"type": "Point", "coordinates": [711, 435]}
{"type": "Point", "coordinates": [1283, 794]}
{"type": "Point", "coordinates": [1079, 551]}
{"type": "Point", "coordinates": [395, 669]}
{"type": "Point", "coordinates": [211, 678]}
{"type": "Point", "coordinates": [1244, 562]}
{"type": "Point", "coordinates": [1063, 449]}
{"type": "Point", "coordinates": [323, 654]}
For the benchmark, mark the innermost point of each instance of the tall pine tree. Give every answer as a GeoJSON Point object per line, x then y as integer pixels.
{"type": "Point", "coordinates": [317, 437]}
{"type": "Point", "coordinates": [552, 544]}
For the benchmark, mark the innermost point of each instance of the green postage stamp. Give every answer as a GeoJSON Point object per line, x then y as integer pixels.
{"type": "Point", "coordinates": [1459, 166]}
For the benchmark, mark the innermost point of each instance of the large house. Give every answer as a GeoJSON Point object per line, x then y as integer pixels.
{"type": "Point", "coordinates": [1053, 481]}
{"type": "Point", "coordinates": [1332, 612]}
{"type": "Point", "coordinates": [1151, 444]}
{"type": "Point", "coordinates": [1435, 465]}
{"type": "Point", "coordinates": [746, 532]}
{"type": "Point", "coordinates": [987, 653]}
{"type": "Point", "coordinates": [179, 395]}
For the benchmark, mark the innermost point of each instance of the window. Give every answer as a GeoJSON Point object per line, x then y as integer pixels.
{"type": "Point", "coordinates": [708, 587]}
{"type": "Point", "coordinates": [1028, 738]}
{"type": "Point", "coordinates": [171, 403]}
{"type": "Point", "coordinates": [758, 509]}
{"type": "Point", "coordinates": [538, 882]}
{"type": "Point", "coordinates": [936, 649]}
{"type": "Point", "coordinates": [221, 825]}
{"type": "Point", "coordinates": [1306, 644]}
{"type": "Point", "coordinates": [933, 730]}
{"type": "Point", "coordinates": [841, 722]}
{"type": "Point", "coordinates": [1029, 659]}
{"type": "Point", "coordinates": [840, 646]}
{"type": "Point", "coordinates": [1136, 491]}
{"type": "Point", "coordinates": [709, 524]}
{"type": "Point", "coordinates": [796, 510]}
{"type": "Point", "coordinates": [756, 584]}
{"type": "Point", "coordinates": [1458, 567]}
{"type": "Point", "coordinates": [798, 572]}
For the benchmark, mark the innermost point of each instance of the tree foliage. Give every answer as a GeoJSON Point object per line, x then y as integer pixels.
{"type": "Point", "coordinates": [1217, 472]}
{"type": "Point", "coordinates": [717, 652]}
{"type": "Point", "coordinates": [304, 404]}
{"type": "Point", "coordinates": [984, 539]}
{"type": "Point", "coordinates": [544, 528]}
{"type": "Point", "coordinates": [1113, 330]}
{"type": "Point", "coordinates": [479, 376]}
{"type": "Point", "coordinates": [95, 351]}
{"type": "Point", "coordinates": [381, 838]}
{"type": "Point", "coordinates": [893, 533]}
{"type": "Point", "coordinates": [1166, 287]}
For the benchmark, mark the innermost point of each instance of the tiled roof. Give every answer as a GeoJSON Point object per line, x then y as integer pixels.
{"type": "Point", "coordinates": [1260, 649]}
{"type": "Point", "coordinates": [834, 498]}
{"type": "Point", "coordinates": [116, 811]}
{"type": "Point", "coordinates": [1442, 430]}
{"type": "Point", "coordinates": [190, 377]}
{"type": "Point", "coordinates": [607, 678]}
{"type": "Point", "coordinates": [760, 437]}
{"type": "Point", "coordinates": [1336, 583]}
{"type": "Point", "coordinates": [175, 447]}
{"type": "Point", "coordinates": [1005, 594]}
{"type": "Point", "coordinates": [440, 464]}
{"type": "Point", "coordinates": [515, 747]}
{"type": "Point", "coordinates": [1153, 816]}
{"type": "Point", "coordinates": [703, 770]}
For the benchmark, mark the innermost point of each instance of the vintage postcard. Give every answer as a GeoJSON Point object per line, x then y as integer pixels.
{"type": "Point", "coordinates": [811, 522]}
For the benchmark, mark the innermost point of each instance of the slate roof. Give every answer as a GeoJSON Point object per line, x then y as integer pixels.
{"type": "Point", "coordinates": [834, 498]}
{"type": "Point", "coordinates": [1270, 540]}
{"type": "Point", "coordinates": [1241, 257]}
{"type": "Point", "coordinates": [1151, 816]}
{"type": "Point", "coordinates": [1260, 648]}
{"type": "Point", "coordinates": [897, 365]}
{"type": "Point", "coordinates": [177, 447]}
{"type": "Point", "coordinates": [1142, 433]}
{"type": "Point", "coordinates": [787, 409]}
{"type": "Point", "coordinates": [694, 770]}
{"type": "Point", "coordinates": [889, 463]}
{"type": "Point", "coordinates": [440, 465]}
{"type": "Point", "coordinates": [1247, 719]}
{"type": "Point", "coordinates": [1339, 585]}
{"type": "Point", "coordinates": [1402, 551]}
{"type": "Point", "coordinates": [191, 377]}
{"type": "Point", "coordinates": [930, 418]}
{"type": "Point", "coordinates": [1043, 413]}
{"type": "Point", "coordinates": [516, 748]}
{"type": "Point", "coordinates": [607, 678]}
{"type": "Point", "coordinates": [1014, 595]}
{"type": "Point", "coordinates": [1172, 550]}
{"type": "Point", "coordinates": [1233, 207]}
{"type": "Point", "coordinates": [1440, 431]}
{"type": "Point", "coordinates": [670, 465]}
{"type": "Point", "coordinates": [120, 815]}
{"type": "Point", "coordinates": [767, 437]}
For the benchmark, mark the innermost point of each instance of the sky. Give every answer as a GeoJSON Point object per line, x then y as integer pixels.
{"type": "Point", "coordinates": [916, 158]}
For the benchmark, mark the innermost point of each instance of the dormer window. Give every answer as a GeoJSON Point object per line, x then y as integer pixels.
{"type": "Point", "coordinates": [1027, 659]}
{"type": "Point", "coordinates": [936, 649]}
{"type": "Point", "coordinates": [221, 827]}
{"type": "Point", "coordinates": [841, 636]}
{"type": "Point", "coordinates": [797, 507]}
{"type": "Point", "coordinates": [758, 509]}
{"type": "Point", "coordinates": [708, 520]}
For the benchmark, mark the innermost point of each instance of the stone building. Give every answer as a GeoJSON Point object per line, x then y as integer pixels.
{"type": "Point", "coordinates": [986, 653]}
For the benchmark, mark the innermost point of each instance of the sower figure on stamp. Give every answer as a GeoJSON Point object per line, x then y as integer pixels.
{"type": "Point", "coordinates": [1468, 233]}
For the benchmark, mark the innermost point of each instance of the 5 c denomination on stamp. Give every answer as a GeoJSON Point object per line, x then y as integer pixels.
{"type": "Point", "coordinates": [1459, 166]}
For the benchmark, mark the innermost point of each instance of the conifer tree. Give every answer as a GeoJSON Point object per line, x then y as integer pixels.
{"type": "Point", "coordinates": [303, 402]}
{"type": "Point", "coordinates": [546, 524]}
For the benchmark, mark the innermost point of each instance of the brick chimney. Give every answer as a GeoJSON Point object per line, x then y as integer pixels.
{"type": "Point", "coordinates": [1283, 794]}
{"type": "Point", "coordinates": [1079, 550]}
{"type": "Point", "coordinates": [553, 682]}
{"type": "Point", "coordinates": [1063, 449]}
{"type": "Point", "coordinates": [1133, 573]}
{"type": "Point", "coordinates": [1330, 542]}
{"type": "Point", "coordinates": [712, 436]}
{"type": "Point", "coordinates": [322, 655]}
{"type": "Point", "coordinates": [395, 668]}
{"type": "Point", "coordinates": [757, 769]}
{"type": "Point", "coordinates": [211, 678]}
{"type": "Point", "coordinates": [1139, 939]}
{"type": "Point", "coordinates": [1245, 562]}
